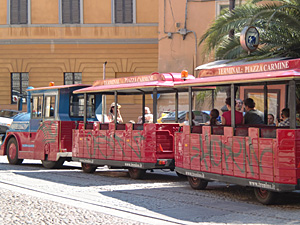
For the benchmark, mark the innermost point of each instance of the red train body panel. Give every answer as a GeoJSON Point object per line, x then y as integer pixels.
{"type": "Point", "coordinates": [53, 138]}
{"type": "Point", "coordinates": [147, 146]}
{"type": "Point", "coordinates": [253, 160]}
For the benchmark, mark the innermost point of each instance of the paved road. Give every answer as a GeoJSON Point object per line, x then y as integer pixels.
{"type": "Point", "coordinates": [31, 194]}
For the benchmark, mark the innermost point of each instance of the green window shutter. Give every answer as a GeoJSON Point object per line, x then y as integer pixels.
{"type": "Point", "coordinates": [18, 11]}
{"type": "Point", "coordinates": [123, 11]}
{"type": "Point", "coordinates": [70, 11]}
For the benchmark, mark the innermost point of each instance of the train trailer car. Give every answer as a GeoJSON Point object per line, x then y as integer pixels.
{"type": "Point", "coordinates": [265, 157]}
{"type": "Point", "coordinates": [137, 147]}
{"type": "Point", "coordinates": [45, 131]}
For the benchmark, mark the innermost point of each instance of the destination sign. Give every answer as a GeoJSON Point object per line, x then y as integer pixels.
{"type": "Point", "coordinates": [127, 80]}
{"type": "Point", "coordinates": [251, 68]}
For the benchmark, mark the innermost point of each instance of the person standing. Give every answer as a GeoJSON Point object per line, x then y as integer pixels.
{"type": "Point", "coordinates": [252, 116]}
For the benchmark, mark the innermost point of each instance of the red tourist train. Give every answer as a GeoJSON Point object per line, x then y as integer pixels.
{"type": "Point", "coordinates": [62, 124]}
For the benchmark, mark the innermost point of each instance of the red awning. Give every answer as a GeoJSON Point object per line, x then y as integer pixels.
{"type": "Point", "coordinates": [136, 84]}
{"type": "Point", "coordinates": [243, 78]}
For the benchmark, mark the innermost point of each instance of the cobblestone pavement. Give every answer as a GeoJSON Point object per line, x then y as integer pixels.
{"type": "Point", "coordinates": [31, 194]}
{"type": "Point", "coordinates": [16, 208]}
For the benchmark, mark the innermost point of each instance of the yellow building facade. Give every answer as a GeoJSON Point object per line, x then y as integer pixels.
{"type": "Point", "coordinates": [68, 41]}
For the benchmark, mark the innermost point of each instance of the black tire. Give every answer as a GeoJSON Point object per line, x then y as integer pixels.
{"type": "Point", "coordinates": [180, 175]}
{"type": "Point", "coordinates": [197, 183]}
{"type": "Point", "coordinates": [136, 173]}
{"type": "Point", "coordinates": [12, 151]}
{"type": "Point", "coordinates": [53, 164]}
{"type": "Point", "coordinates": [88, 168]}
{"type": "Point", "coordinates": [264, 196]}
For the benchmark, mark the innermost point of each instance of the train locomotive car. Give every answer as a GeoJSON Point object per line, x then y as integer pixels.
{"type": "Point", "coordinates": [45, 131]}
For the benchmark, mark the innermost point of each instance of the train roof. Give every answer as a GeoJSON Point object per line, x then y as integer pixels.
{"type": "Point", "coordinates": [227, 62]}
{"type": "Point", "coordinates": [164, 82]}
{"type": "Point", "coordinates": [218, 68]}
{"type": "Point", "coordinates": [244, 79]}
{"type": "Point", "coordinates": [58, 87]}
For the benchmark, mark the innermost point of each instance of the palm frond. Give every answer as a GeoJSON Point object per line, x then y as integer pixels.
{"type": "Point", "coordinates": [277, 21]}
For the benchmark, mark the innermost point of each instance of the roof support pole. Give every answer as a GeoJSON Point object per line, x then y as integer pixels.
{"type": "Point", "coordinates": [213, 99]}
{"type": "Point", "coordinates": [232, 103]}
{"type": "Point", "coordinates": [116, 109]}
{"type": "Point", "coordinates": [84, 110]}
{"type": "Point", "coordinates": [292, 103]}
{"type": "Point", "coordinates": [190, 106]}
{"type": "Point", "coordinates": [265, 103]}
{"type": "Point", "coordinates": [176, 106]}
{"type": "Point", "coordinates": [144, 105]}
{"type": "Point", "coordinates": [154, 105]}
{"type": "Point", "coordinates": [104, 96]}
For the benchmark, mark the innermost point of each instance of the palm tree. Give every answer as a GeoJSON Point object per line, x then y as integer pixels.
{"type": "Point", "coordinates": [278, 23]}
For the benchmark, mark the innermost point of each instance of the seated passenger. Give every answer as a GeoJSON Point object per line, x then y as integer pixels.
{"type": "Point", "coordinates": [186, 120]}
{"type": "Point", "coordinates": [239, 105]}
{"type": "Point", "coordinates": [298, 115]}
{"type": "Point", "coordinates": [226, 116]}
{"type": "Point", "coordinates": [214, 114]}
{"type": "Point", "coordinates": [148, 116]}
{"type": "Point", "coordinates": [285, 114]}
{"type": "Point", "coordinates": [271, 120]}
{"type": "Point", "coordinates": [252, 116]}
{"type": "Point", "coordinates": [111, 115]}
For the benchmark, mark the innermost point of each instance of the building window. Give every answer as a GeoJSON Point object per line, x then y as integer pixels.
{"type": "Point", "coordinates": [70, 11]}
{"type": "Point", "coordinates": [123, 11]}
{"type": "Point", "coordinates": [19, 84]}
{"type": "Point", "coordinates": [72, 78]}
{"type": "Point", "coordinates": [18, 11]}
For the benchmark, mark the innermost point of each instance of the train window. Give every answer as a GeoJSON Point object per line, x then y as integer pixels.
{"type": "Point", "coordinates": [273, 99]}
{"type": "Point", "coordinates": [77, 106]}
{"type": "Point", "coordinates": [50, 107]}
{"type": "Point", "coordinates": [90, 106]}
{"type": "Point", "coordinates": [37, 107]}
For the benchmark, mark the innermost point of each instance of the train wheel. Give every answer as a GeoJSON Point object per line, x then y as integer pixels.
{"type": "Point", "coordinates": [197, 183]}
{"type": "Point", "coordinates": [53, 164]}
{"type": "Point", "coordinates": [88, 168]}
{"type": "Point", "coordinates": [264, 196]}
{"type": "Point", "coordinates": [135, 173]}
{"type": "Point", "coordinates": [12, 151]}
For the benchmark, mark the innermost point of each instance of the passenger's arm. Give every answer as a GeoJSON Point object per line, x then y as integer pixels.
{"type": "Point", "coordinates": [223, 120]}
{"type": "Point", "coordinates": [119, 118]}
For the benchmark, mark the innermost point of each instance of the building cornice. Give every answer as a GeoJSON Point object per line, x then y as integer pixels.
{"type": "Point", "coordinates": [78, 41]}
